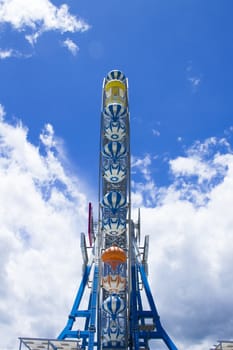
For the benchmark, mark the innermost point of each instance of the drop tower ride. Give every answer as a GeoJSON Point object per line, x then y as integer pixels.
{"type": "Point", "coordinates": [119, 312]}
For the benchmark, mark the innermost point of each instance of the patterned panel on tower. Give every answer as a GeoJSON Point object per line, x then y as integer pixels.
{"type": "Point", "coordinates": [114, 210]}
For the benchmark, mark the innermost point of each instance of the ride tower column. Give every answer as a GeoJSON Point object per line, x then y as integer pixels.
{"type": "Point", "coordinates": [114, 308]}
{"type": "Point", "coordinates": [114, 211]}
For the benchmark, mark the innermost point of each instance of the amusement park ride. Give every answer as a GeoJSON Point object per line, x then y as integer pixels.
{"type": "Point", "coordinates": [120, 313]}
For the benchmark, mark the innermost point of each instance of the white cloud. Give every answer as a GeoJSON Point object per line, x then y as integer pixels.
{"type": "Point", "coordinates": [192, 166]}
{"type": "Point", "coordinates": [42, 212]}
{"type": "Point", "coordinates": [193, 78]}
{"type": "Point", "coordinates": [7, 53]}
{"type": "Point", "coordinates": [143, 193]}
{"type": "Point", "coordinates": [155, 132]}
{"type": "Point", "coordinates": [191, 264]}
{"type": "Point", "coordinates": [195, 81]}
{"type": "Point", "coordinates": [71, 46]}
{"type": "Point", "coordinates": [2, 112]}
{"type": "Point", "coordinates": [141, 165]}
{"type": "Point", "coordinates": [190, 260]}
{"type": "Point", "coordinates": [47, 136]}
{"type": "Point", "coordinates": [38, 16]}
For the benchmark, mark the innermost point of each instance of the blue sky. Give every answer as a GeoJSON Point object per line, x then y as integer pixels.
{"type": "Point", "coordinates": [177, 56]}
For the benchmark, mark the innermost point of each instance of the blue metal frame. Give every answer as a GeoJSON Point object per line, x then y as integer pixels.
{"type": "Point", "coordinates": [140, 330]}
{"type": "Point", "coordinates": [88, 334]}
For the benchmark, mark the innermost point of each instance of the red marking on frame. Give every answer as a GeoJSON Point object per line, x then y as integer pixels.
{"type": "Point", "coordinates": [90, 228]}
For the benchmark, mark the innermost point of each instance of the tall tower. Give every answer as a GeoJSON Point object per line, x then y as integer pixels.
{"type": "Point", "coordinates": [119, 311]}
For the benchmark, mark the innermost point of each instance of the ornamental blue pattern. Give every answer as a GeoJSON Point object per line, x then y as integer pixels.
{"type": "Point", "coordinates": [116, 74]}
{"type": "Point", "coordinates": [114, 201]}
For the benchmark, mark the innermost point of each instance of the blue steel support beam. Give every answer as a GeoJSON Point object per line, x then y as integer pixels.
{"type": "Point", "coordinates": [84, 342]}
{"type": "Point", "coordinates": [160, 332]}
{"type": "Point", "coordinates": [67, 332]}
{"type": "Point", "coordinates": [92, 327]}
{"type": "Point", "coordinates": [134, 335]}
